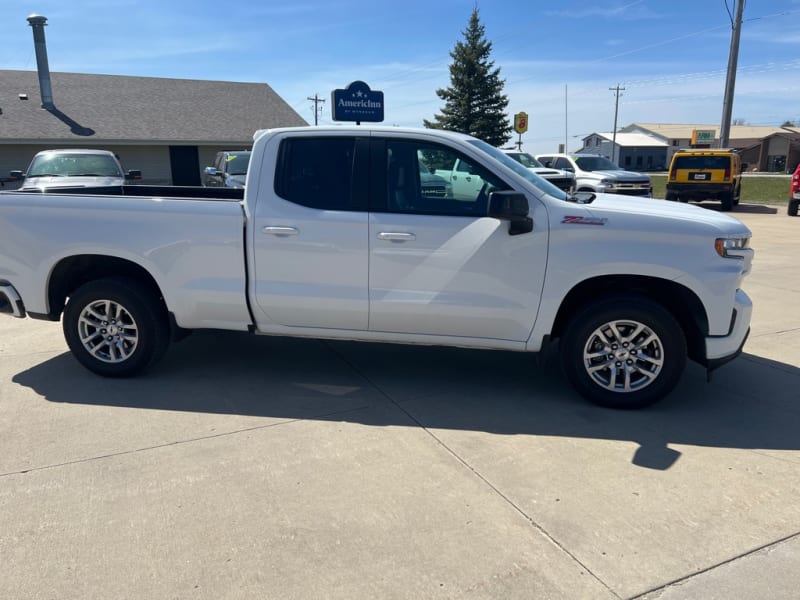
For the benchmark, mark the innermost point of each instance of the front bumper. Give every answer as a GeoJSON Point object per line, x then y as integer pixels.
{"type": "Point", "coordinates": [724, 348]}
{"type": "Point", "coordinates": [10, 302]}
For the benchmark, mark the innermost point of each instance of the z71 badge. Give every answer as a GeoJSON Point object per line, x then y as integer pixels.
{"type": "Point", "coordinates": [583, 220]}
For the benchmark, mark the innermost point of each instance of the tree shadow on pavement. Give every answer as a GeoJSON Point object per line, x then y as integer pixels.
{"type": "Point", "coordinates": [751, 403]}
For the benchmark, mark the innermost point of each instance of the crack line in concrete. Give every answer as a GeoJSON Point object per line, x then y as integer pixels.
{"type": "Point", "coordinates": [181, 442]}
{"type": "Point", "coordinates": [682, 580]}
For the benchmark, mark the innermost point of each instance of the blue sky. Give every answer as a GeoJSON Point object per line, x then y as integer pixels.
{"type": "Point", "coordinates": [671, 56]}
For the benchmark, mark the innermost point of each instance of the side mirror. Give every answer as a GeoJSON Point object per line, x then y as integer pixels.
{"type": "Point", "coordinates": [15, 175]}
{"type": "Point", "coordinates": [133, 175]}
{"type": "Point", "coordinates": [511, 206]}
{"type": "Point", "coordinates": [210, 171]}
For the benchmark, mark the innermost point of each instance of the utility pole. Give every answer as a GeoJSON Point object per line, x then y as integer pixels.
{"type": "Point", "coordinates": [317, 107]}
{"type": "Point", "coordinates": [617, 94]}
{"type": "Point", "coordinates": [730, 81]}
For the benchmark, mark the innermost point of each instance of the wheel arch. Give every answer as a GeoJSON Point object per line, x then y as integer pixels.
{"type": "Point", "coordinates": [72, 272]}
{"type": "Point", "coordinates": [680, 301]}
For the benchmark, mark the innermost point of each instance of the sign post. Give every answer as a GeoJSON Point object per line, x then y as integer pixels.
{"type": "Point", "coordinates": [520, 126]}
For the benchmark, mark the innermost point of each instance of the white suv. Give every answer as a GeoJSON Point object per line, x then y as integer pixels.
{"type": "Point", "coordinates": [595, 173]}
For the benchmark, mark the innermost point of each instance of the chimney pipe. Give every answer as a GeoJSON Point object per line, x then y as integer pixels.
{"type": "Point", "coordinates": [38, 22]}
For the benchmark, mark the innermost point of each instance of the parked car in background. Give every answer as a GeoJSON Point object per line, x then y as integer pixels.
{"type": "Point", "coordinates": [75, 167]}
{"type": "Point", "coordinates": [595, 173]}
{"type": "Point", "coordinates": [794, 193]}
{"type": "Point", "coordinates": [229, 170]}
{"type": "Point", "coordinates": [705, 174]}
{"type": "Point", "coordinates": [561, 179]}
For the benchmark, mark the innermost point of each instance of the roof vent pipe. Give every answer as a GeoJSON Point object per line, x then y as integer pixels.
{"type": "Point", "coordinates": [38, 22]}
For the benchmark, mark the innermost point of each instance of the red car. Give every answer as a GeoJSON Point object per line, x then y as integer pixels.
{"type": "Point", "coordinates": [794, 193]}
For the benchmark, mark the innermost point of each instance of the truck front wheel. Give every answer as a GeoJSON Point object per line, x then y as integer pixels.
{"type": "Point", "coordinates": [116, 327]}
{"type": "Point", "coordinates": [623, 352]}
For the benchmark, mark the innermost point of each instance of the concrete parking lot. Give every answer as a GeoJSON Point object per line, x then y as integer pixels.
{"type": "Point", "coordinates": [255, 467]}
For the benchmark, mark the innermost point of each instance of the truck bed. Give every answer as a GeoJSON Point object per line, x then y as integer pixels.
{"type": "Point", "coordinates": [156, 191]}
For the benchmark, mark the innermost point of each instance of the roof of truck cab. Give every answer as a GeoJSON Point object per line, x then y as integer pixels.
{"type": "Point", "coordinates": [362, 129]}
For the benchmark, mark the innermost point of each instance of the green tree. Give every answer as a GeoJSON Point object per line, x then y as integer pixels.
{"type": "Point", "coordinates": [474, 102]}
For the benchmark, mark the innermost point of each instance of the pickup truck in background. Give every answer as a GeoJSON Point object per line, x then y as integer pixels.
{"type": "Point", "coordinates": [595, 173]}
{"type": "Point", "coordinates": [229, 170]}
{"type": "Point", "coordinates": [335, 237]}
{"type": "Point", "coordinates": [74, 167]}
{"type": "Point", "coordinates": [462, 175]}
{"type": "Point", "coordinates": [563, 180]}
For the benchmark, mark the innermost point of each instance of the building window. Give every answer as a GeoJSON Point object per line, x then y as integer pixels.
{"type": "Point", "coordinates": [676, 142]}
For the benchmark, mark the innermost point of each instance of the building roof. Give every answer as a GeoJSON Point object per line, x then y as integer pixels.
{"type": "Point", "coordinates": [684, 130]}
{"type": "Point", "coordinates": [122, 109]}
{"type": "Point", "coordinates": [631, 139]}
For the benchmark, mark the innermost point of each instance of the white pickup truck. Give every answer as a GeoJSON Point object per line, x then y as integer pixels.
{"type": "Point", "coordinates": [336, 237]}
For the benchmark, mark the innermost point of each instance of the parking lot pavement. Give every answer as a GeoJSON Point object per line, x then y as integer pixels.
{"type": "Point", "coordinates": [265, 467]}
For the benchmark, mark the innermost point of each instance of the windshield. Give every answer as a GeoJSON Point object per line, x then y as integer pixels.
{"type": "Point", "coordinates": [526, 160]}
{"type": "Point", "coordinates": [543, 185]}
{"type": "Point", "coordinates": [74, 165]}
{"type": "Point", "coordinates": [595, 163]}
{"type": "Point", "coordinates": [238, 163]}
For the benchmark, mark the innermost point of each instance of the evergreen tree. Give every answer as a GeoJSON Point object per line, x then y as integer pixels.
{"type": "Point", "coordinates": [474, 102]}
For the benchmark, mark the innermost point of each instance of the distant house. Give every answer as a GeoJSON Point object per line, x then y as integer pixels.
{"type": "Point", "coordinates": [634, 151]}
{"type": "Point", "coordinates": [764, 148]}
{"type": "Point", "coordinates": [168, 128]}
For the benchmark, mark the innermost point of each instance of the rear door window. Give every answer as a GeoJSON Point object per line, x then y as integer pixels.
{"type": "Point", "coordinates": [318, 172]}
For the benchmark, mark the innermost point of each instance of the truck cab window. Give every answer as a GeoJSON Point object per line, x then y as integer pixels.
{"type": "Point", "coordinates": [316, 172]}
{"type": "Point", "coordinates": [429, 179]}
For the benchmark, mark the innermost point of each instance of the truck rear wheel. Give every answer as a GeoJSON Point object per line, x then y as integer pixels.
{"type": "Point", "coordinates": [116, 327]}
{"type": "Point", "coordinates": [623, 352]}
{"type": "Point", "coordinates": [792, 208]}
{"type": "Point", "coordinates": [727, 201]}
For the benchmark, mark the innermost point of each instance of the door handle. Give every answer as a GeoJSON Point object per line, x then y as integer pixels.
{"type": "Point", "coordinates": [396, 236]}
{"type": "Point", "coordinates": [281, 231]}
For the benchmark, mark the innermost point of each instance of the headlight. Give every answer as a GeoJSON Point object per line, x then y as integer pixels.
{"type": "Point", "coordinates": [728, 247]}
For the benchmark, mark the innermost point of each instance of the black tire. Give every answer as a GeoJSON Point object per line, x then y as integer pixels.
{"type": "Point", "coordinates": [791, 210]}
{"type": "Point", "coordinates": [671, 196]}
{"type": "Point", "coordinates": [116, 327]}
{"type": "Point", "coordinates": [737, 195]}
{"type": "Point", "coordinates": [593, 348]}
{"type": "Point", "coordinates": [727, 201]}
